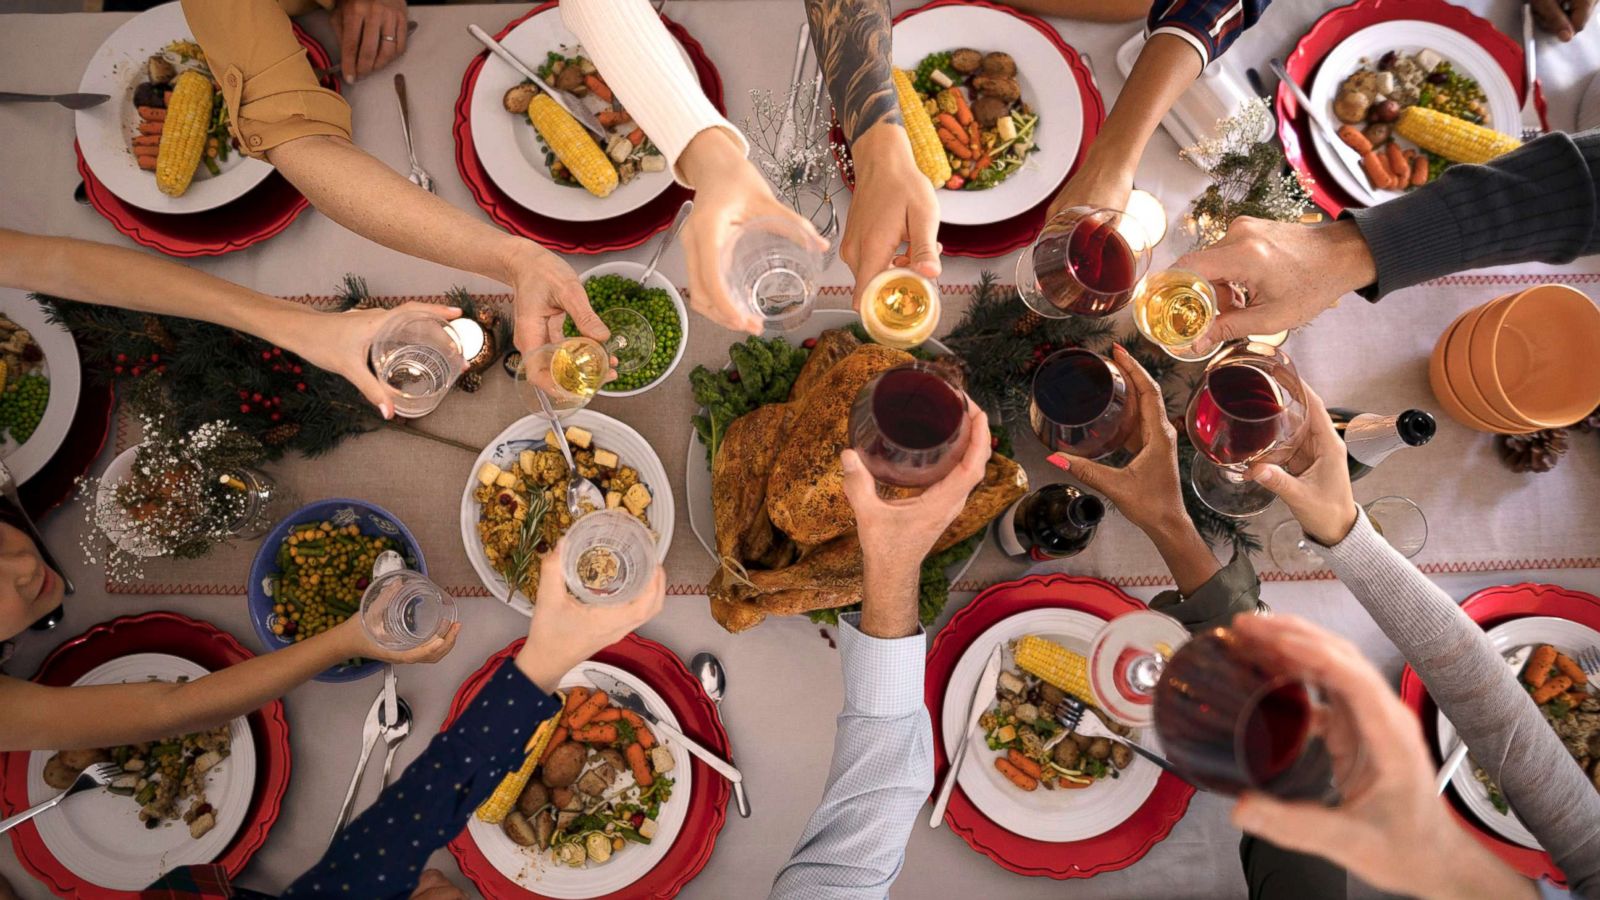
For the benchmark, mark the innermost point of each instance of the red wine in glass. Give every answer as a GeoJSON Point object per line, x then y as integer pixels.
{"type": "Point", "coordinates": [908, 424]}
{"type": "Point", "coordinates": [1080, 404]}
{"type": "Point", "coordinates": [1229, 724]}
{"type": "Point", "coordinates": [1086, 262]}
{"type": "Point", "coordinates": [1249, 408]}
{"type": "Point", "coordinates": [1237, 416]}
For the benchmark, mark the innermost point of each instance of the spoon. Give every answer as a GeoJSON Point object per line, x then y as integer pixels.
{"type": "Point", "coordinates": [387, 561]}
{"type": "Point", "coordinates": [714, 679]}
{"type": "Point", "coordinates": [666, 239]}
{"type": "Point", "coordinates": [579, 488]}
{"type": "Point", "coordinates": [393, 736]}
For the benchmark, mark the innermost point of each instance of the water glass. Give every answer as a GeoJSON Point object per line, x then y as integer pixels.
{"type": "Point", "coordinates": [772, 266]}
{"type": "Point", "coordinates": [608, 558]}
{"type": "Point", "coordinates": [419, 357]}
{"type": "Point", "coordinates": [402, 610]}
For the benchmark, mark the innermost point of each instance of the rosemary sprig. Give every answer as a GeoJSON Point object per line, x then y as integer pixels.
{"type": "Point", "coordinates": [525, 555]}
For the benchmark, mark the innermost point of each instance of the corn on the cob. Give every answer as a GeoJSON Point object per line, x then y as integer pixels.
{"type": "Point", "coordinates": [1055, 664]}
{"type": "Point", "coordinates": [495, 809]}
{"type": "Point", "coordinates": [573, 146]}
{"type": "Point", "coordinates": [183, 137]}
{"type": "Point", "coordinates": [1454, 139]}
{"type": "Point", "coordinates": [925, 146]}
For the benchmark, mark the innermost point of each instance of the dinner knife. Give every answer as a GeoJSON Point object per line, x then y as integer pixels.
{"type": "Point", "coordinates": [8, 487]}
{"type": "Point", "coordinates": [627, 699]}
{"type": "Point", "coordinates": [1347, 157]}
{"type": "Point", "coordinates": [975, 709]}
{"type": "Point", "coordinates": [577, 110]}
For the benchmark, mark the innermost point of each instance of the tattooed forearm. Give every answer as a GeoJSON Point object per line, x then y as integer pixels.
{"type": "Point", "coordinates": [851, 38]}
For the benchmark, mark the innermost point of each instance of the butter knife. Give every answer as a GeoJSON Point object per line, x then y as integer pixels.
{"type": "Point", "coordinates": [625, 697]}
{"type": "Point", "coordinates": [975, 708]}
{"type": "Point", "coordinates": [1346, 156]}
{"type": "Point", "coordinates": [577, 110]}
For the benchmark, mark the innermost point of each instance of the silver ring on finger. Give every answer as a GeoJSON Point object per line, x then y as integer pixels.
{"type": "Point", "coordinates": [388, 37]}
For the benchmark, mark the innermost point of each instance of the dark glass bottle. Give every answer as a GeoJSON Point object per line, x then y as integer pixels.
{"type": "Point", "coordinates": [1370, 438]}
{"type": "Point", "coordinates": [1054, 522]}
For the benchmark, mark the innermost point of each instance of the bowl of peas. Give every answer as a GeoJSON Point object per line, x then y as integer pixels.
{"type": "Point", "coordinates": [312, 568]}
{"type": "Point", "coordinates": [616, 284]}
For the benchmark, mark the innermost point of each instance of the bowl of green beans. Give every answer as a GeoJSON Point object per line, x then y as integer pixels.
{"type": "Point", "coordinates": [617, 284]}
{"type": "Point", "coordinates": [312, 568]}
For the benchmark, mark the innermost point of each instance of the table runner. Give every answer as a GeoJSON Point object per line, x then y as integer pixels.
{"type": "Point", "coordinates": [1457, 479]}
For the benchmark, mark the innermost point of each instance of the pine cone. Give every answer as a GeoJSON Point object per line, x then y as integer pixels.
{"type": "Point", "coordinates": [157, 332]}
{"type": "Point", "coordinates": [1536, 452]}
{"type": "Point", "coordinates": [279, 435]}
{"type": "Point", "coordinates": [1589, 423]}
{"type": "Point", "coordinates": [471, 381]}
{"type": "Point", "coordinates": [1027, 322]}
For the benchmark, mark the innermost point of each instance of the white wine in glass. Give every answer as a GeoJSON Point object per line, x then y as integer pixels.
{"type": "Point", "coordinates": [569, 373]}
{"type": "Point", "coordinates": [1172, 308]}
{"type": "Point", "coordinates": [900, 308]}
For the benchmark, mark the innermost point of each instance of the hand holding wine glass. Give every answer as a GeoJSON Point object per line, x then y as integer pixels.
{"type": "Point", "coordinates": [1388, 827]}
{"type": "Point", "coordinates": [564, 632]}
{"type": "Point", "coordinates": [1320, 496]}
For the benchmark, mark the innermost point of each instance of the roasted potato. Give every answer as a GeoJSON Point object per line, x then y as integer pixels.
{"type": "Point", "coordinates": [1100, 748]}
{"type": "Point", "coordinates": [966, 60]}
{"type": "Point", "coordinates": [58, 774]}
{"type": "Point", "coordinates": [1351, 107]}
{"type": "Point", "coordinates": [1003, 87]}
{"type": "Point", "coordinates": [564, 765]}
{"type": "Point", "coordinates": [534, 797]}
{"type": "Point", "coordinates": [571, 81]}
{"type": "Point", "coordinates": [997, 63]}
{"type": "Point", "coordinates": [517, 99]}
{"type": "Point", "coordinates": [1067, 754]}
{"type": "Point", "coordinates": [519, 829]}
{"type": "Point", "coordinates": [1121, 755]}
{"type": "Point", "coordinates": [987, 110]}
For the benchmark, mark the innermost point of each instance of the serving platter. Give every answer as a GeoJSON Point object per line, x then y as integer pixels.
{"type": "Point", "coordinates": [528, 433]}
{"type": "Point", "coordinates": [1566, 636]}
{"type": "Point", "coordinates": [538, 873]}
{"type": "Point", "coordinates": [508, 146]}
{"type": "Point", "coordinates": [1045, 77]}
{"type": "Point", "coordinates": [63, 368]}
{"type": "Point", "coordinates": [697, 473]}
{"type": "Point", "coordinates": [98, 835]}
{"type": "Point", "coordinates": [103, 131]}
{"type": "Point", "coordinates": [1466, 55]}
{"type": "Point", "coordinates": [1044, 815]}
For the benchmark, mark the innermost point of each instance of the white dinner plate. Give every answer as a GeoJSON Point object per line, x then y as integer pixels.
{"type": "Point", "coordinates": [509, 146]}
{"type": "Point", "coordinates": [1048, 86]}
{"type": "Point", "coordinates": [104, 131]}
{"type": "Point", "coordinates": [1055, 816]}
{"type": "Point", "coordinates": [1406, 35]}
{"type": "Point", "coordinates": [61, 366]}
{"type": "Point", "coordinates": [697, 472]}
{"type": "Point", "coordinates": [535, 870]}
{"type": "Point", "coordinates": [1568, 637]}
{"type": "Point", "coordinates": [98, 835]}
{"type": "Point", "coordinates": [528, 433]}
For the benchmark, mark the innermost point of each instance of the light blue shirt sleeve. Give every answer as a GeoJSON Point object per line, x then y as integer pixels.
{"type": "Point", "coordinates": [882, 773]}
{"type": "Point", "coordinates": [1548, 891]}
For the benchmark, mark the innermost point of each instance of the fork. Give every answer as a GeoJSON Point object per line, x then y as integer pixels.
{"type": "Point", "coordinates": [97, 775]}
{"type": "Point", "coordinates": [1071, 715]}
{"type": "Point", "coordinates": [70, 101]}
{"type": "Point", "coordinates": [418, 176]}
{"type": "Point", "coordinates": [1589, 661]}
{"type": "Point", "coordinates": [1532, 127]}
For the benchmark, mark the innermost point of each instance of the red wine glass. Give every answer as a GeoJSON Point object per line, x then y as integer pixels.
{"type": "Point", "coordinates": [1249, 408]}
{"type": "Point", "coordinates": [1079, 404]}
{"type": "Point", "coordinates": [908, 424]}
{"type": "Point", "coordinates": [1085, 262]}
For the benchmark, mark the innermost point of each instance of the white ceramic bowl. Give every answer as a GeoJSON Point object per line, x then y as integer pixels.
{"type": "Point", "coordinates": [634, 270]}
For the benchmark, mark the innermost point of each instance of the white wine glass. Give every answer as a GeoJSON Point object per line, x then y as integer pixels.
{"type": "Point", "coordinates": [569, 372]}
{"type": "Point", "coordinates": [632, 340]}
{"type": "Point", "coordinates": [1398, 520]}
{"type": "Point", "coordinates": [1172, 309]}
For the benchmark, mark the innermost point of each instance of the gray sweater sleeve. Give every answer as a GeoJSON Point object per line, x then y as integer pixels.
{"type": "Point", "coordinates": [1540, 203]}
{"type": "Point", "coordinates": [1473, 686]}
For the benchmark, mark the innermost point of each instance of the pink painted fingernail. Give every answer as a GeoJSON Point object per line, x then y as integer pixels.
{"type": "Point", "coordinates": [1059, 460]}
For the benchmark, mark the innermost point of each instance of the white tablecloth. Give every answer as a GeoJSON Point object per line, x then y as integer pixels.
{"type": "Point", "coordinates": [781, 734]}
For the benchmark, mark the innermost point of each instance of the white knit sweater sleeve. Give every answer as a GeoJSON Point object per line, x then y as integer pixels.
{"type": "Point", "coordinates": [641, 63]}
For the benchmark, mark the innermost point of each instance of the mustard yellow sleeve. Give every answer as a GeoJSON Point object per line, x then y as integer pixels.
{"type": "Point", "coordinates": [267, 83]}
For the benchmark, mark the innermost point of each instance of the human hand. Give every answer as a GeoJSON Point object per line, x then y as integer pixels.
{"type": "Point", "coordinates": [1290, 272]}
{"type": "Point", "coordinates": [371, 33]}
{"type": "Point", "coordinates": [897, 534]}
{"type": "Point", "coordinates": [1389, 827]}
{"type": "Point", "coordinates": [1097, 184]}
{"type": "Point", "coordinates": [546, 292]}
{"type": "Point", "coordinates": [1320, 496]}
{"type": "Point", "coordinates": [357, 643]}
{"type": "Point", "coordinates": [1146, 490]}
{"type": "Point", "coordinates": [1562, 18]}
{"type": "Point", "coordinates": [564, 632]}
{"type": "Point", "coordinates": [339, 343]}
{"type": "Point", "coordinates": [432, 885]}
{"type": "Point", "coordinates": [894, 204]}
{"type": "Point", "coordinates": [728, 192]}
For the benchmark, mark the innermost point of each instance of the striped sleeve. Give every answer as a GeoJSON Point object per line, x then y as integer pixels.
{"type": "Point", "coordinates": [1209, 26]}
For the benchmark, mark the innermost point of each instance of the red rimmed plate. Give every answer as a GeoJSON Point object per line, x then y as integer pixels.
{"type": "Point", "coordinates": [1334, 27]}
{"type": "Point", "coordinates": [263, 212]}
{"type": "Point", "coordinates": [708, 796]}
{"type": "Point", "coordinates": [157, 632]}
{"type": "Point", "coordinates": [1490, 607]}
{"type": "Point", "coordinates": [1116, 849]}
{"type": "Point", "coordinates": [600, 236]}
{"type": "Point", "coordinates": [1000, 238]}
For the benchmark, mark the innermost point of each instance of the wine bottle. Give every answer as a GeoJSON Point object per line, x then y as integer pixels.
{"type": "Point", "coordinates": [1053, 522]}
{"type": "Point", "coordinates": [1370, 438]}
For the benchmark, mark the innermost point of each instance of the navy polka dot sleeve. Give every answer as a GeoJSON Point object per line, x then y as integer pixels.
{"type": "Point", "coordinates": [382, 852]}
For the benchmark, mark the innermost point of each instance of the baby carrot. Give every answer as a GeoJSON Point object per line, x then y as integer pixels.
{"type": "Point", "coordinates": [598, 85]}
{"type": "Point", "coordinates": [641, 731]}
{"type": "Point", "coordinates": [609, 714]}
{"type": "Point", "coordinates": [1022, 762]}
{"type": "Point", "coordinates": [641, 772]}
{"type": "Point", "coordinates": [948, 121]}
{"type": "Point", "coordinates": [557, 738]}
{"type": "Point", "coordinates": [1548, 691]}
{"type": "Point", "coordinates": [1399, 166]}
{"type": "Point", "coordinates": [1355, 139]}
{"type": "Point", "coordinates": [1018, 777]}
{"type": "Point", "coordinates": [1571, 669]}
{"type": "Point", "coordinates": [596, 733]}
{"type": "Point", "coordinates": [954, 144]}
{"type": "Point", "coordinates": [1539, 664]}
{"type": "Point", "coordinates": [587, 710]}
